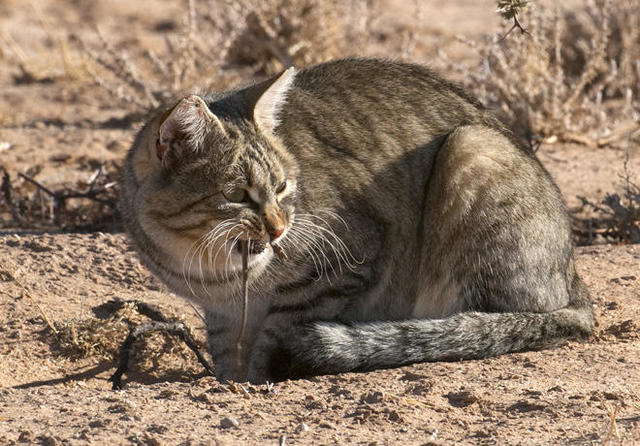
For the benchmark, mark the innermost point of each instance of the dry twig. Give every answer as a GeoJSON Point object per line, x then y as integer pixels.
{"type": "Point", "coordinates": [612, 427]}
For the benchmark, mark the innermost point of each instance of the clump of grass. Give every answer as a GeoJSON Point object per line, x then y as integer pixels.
{"type": "Point", "coordinates": [83, 338]}
{"type": "Point", "coordinates": [509, 10]}
{"type": "Point", "coordinates": [573, 76]}
{"type": "Point", "coordinates": [93, 337]}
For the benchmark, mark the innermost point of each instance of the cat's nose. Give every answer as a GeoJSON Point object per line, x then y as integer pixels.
{"type": "Point", "coordinates": [274, 221]}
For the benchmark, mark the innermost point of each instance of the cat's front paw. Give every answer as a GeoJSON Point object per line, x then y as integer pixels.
{"type": "Point", "coordinates": [228, 371]}
{"type": "Point", "coordinates": [258, 371]}
{"type": "Point", "coordinates": [272, 364]}
{"type": "Point", "coordinates": [258, 376]}
{"type": "Point", "coordinates": [280, 360]}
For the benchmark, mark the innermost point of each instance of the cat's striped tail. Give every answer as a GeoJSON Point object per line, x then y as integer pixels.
{"type": "Point", "coordinates": [328, 347]}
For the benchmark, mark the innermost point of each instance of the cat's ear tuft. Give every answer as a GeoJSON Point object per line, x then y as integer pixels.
{"type": "Point", "coordinates": [184, 127]}
{"type": "Point", "coordinates": [273, 93]}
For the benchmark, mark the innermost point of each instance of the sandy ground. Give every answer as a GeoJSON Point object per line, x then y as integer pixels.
{"type": "Point", "coordinates": [578, 394]}
{"type": "Point", "coordinates": [556, 396]}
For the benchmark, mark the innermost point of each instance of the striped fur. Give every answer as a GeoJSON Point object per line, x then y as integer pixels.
{"type": "Point", "coordinates": [393, 220]}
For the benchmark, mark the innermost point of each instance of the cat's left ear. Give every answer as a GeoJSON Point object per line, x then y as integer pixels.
{"type": "Point", "coordinates": [183, 127]}
{"type": "Point", "coordinates": [269, 97]}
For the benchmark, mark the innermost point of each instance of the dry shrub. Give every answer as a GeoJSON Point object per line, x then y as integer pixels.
{"type": "Point", "coordinates": [86, 204]}
{"type": "Point", "coordinates": [223, 41]}
{"type": "Point", "coordinates": [281, 33]}
{"type": "Point", "coordinates": [94, 337]}
{"type": "Point", "coordinates": [573, 76]}
{"type": "Point", "coordinates": [101, 338]}
{"type": "Point", "coordinates": [194, 56]}
{"type": "Point", "coordinates": [617, 219]}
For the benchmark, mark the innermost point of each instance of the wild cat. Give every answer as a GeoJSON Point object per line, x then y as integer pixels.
{"type": "Point", "coordinates": [390, 218]}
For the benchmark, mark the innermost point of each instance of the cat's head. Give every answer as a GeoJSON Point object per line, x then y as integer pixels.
{"type": "Point", "coordinates": [205, 180]}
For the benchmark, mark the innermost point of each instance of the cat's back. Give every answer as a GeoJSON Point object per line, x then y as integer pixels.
{"type": "Point", "coordinates": [355, 101]}
{"type": "Point", "coordinates": [385, 82]}
{"type": "Point", "coordinates": [375, 77]}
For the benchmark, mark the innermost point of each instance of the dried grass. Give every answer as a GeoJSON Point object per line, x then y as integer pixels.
{"type": "Point", "coordinates": [83, 338]}
{"type": "Point", "coordinates": [612, 427]}
{"type": "Point", "coordinates": [224, 41]}
{"type": "Point", "coordinates": [574, 76]}
{"type": "Point", "coordinates": [281, 33]}
{"type": "Point", "coordinates": [61, 65]}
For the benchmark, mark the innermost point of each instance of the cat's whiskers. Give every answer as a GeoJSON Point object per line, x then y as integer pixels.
{"type": "Point", "coordinates": [229, 253]}
{"type": "Point", "coordinates": [298, 240]}
{"type": "Point", "coordinates": [314, 242]}
{"type": "Point", "coordinates": [185, 276]}
{"type": "Point", "coordinates": [342, 250]}
{"type": "Point", "coordinates": [198, 248]}
{"type": "Point", "coordinates": [324, 233]}
{"type": "Point", "coordinates": [218, 273]}
{"type": "Point", "coordinates": [331, 214]}
{"type": "Point", "coordinates": [341, 220]}
{"type": "Point", "coordinates": [222, 246]}
{"type": "Point", "coordinates": [210, 239]}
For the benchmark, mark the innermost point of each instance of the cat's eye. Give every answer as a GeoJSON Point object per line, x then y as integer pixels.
{"type": "Point", "coordinates": [281, 187]}
{"type": "Point", "coordinates": [235, 195]}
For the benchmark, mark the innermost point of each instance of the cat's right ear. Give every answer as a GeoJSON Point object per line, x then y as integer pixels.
{"type": "Point", "coordinates": [182, 129]}
{"type": "Point", "coordinates": [268, 97]}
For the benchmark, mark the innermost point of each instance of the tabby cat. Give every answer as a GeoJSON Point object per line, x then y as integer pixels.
{"type": "Point", "coordinates": [390, 220]}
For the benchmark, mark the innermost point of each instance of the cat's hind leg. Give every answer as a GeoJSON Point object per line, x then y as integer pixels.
{"type": "Point", "coordinates": [496, 229]}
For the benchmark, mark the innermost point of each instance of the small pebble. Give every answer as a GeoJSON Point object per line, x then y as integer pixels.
{"type": "Point", "coordinates": [372, 397]}
{"type": "Point", "coordinates": [48, 441]}
{"type": "Point", "coordinates": [302, 427]}
{"type": "Point", "coordinates": [228, 422]}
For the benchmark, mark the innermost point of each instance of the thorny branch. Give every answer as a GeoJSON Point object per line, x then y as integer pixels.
{"type": "Point", "coordinates": [60, 197]}
{"type": "Point", "coordinates": [25, 211]}
{"type": "Point", "coordinates": [158, 323]}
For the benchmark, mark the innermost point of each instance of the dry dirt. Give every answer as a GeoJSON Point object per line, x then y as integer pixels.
{"type": "Point", "coordinates": [53, 284]}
